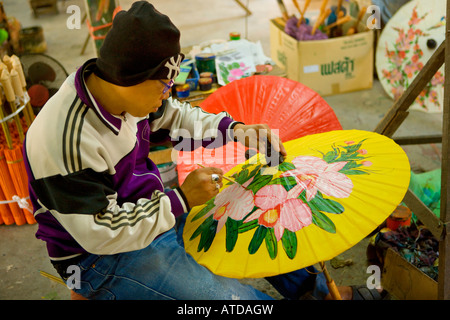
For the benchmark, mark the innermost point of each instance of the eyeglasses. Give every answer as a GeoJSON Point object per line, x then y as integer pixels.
{"type": "Point", "coordinates": [167, 86]}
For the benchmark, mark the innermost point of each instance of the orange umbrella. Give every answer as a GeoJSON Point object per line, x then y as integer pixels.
{"type": "Point", "coordinates": [6, 216]}
{"type": "Point", "coordinates": [16, 166]}
{"type": "Point", "coordinates": [5, 213]}
{"type": "Point", "coordinates": [9, 190]}
{"type": "Point", "coordinates": [13, 177]}
{"type": "Point", "coordinates": [290, 108]}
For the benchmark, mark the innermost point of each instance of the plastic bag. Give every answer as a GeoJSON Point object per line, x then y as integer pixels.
{"type": "Point", "coordinates": [427, 187]}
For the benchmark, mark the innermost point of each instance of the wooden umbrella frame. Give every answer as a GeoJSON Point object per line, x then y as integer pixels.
{"type": "Point", "coordinates": [440, 227]}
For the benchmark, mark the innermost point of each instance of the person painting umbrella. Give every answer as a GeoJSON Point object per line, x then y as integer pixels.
{"type": "Point", "coordinates": [98, 198]}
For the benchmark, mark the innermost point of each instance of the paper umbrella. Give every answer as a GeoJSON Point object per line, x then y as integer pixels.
{"type": "Point", "coordinates": [332, 190]}
{"type": "Point", "coordinates": [407, 42]}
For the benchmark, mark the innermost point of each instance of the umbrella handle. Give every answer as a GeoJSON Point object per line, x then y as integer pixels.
{"type": "Point", "coordinates": [330, 283]}
{"type": "Point", "coordinates": [334, 290]}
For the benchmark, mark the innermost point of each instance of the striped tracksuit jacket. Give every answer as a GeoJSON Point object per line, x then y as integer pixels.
{"type": "Point", "coordinates": [92, 185]}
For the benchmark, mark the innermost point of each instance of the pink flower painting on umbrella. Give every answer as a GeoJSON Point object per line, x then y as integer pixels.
{"type": "Point", "coordinates": [304, 193]}
{"type": "Point", "coordinates": [280, 209]}
{"type": "Point", "coordinates": [315, 174]}
{"type": "Point", "coordinates": [234, 202]}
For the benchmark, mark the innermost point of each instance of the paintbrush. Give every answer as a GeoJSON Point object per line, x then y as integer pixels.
{"type": "Point", "coordinates": [320, 20]}
{"type": "Point", "coordinates": [354, 29]}
{"type": "Point", "coordinates": [302, 14]}
{"type": "Point", "coordinates": [338, 9]}
{"type": "Point", "coordinates": [283, 9]}
{"type": "Point", "coordinates": [338, 22]}
{"type": "Point", "coordinates": [297, 6]}
{"type": "Point", "coordinates": [323, 5]}
{"type": "Point", "coordinates": [224, 177]}
{"type": "Point", "coordinates": [321, 17]}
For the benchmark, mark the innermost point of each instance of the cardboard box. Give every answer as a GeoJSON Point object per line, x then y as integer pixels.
{"type": "Point", "coordinates": [406, 282]}
{"type": "Point", "coordinates": [331, 66]}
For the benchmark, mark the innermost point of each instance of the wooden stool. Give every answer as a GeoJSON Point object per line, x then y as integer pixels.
{"type": "Point", "coordinates": [43, 6]}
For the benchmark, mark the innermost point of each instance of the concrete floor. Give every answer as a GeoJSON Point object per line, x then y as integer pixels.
{"type": "Point", "coordinates": [22, 256]}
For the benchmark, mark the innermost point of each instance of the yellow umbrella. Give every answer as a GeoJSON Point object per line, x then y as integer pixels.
{"type": "Point", "coordinates": [332, 190]}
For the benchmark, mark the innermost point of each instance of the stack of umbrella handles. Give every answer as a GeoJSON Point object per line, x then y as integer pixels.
{"type": "Point", "coordinates": [12, 80]}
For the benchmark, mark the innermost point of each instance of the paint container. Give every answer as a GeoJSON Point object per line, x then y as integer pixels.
{"type": "Point", "coordinates": [207, 75]}
{"type": "Point", "coordinates": [183, 90]}
{"type": "Point", "coordinates": [235, 36]}
{"type": "Point", "coordinates": [205, 84]}
{"type": "Point", "coordinates": [206, 62]}
{"type": "Point", "coordinates": [400, 217]}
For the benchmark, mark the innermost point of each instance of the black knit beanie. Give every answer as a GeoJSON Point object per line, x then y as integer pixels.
{"type": "Point", "coordinates": [142, 44]}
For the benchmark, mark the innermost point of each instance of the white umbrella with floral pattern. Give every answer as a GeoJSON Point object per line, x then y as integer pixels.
{"type": "Point", "coordinates": [331, 191]}
{"type": "Point", "coordinates": [406, 43]}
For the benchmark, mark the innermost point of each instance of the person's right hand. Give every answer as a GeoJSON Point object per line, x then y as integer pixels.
{"type": "Point", "coordinates": [198, 186]}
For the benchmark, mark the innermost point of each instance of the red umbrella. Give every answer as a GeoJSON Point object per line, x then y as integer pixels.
{"type": "Point", "coordinates": [290, 108]}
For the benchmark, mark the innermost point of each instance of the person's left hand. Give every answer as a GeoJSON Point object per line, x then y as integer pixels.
{"type": "Point", "coordinates": [255, 136]}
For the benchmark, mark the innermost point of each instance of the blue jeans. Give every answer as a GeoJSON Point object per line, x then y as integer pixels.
{"type": "Point", "coordinates": [164, 270]}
